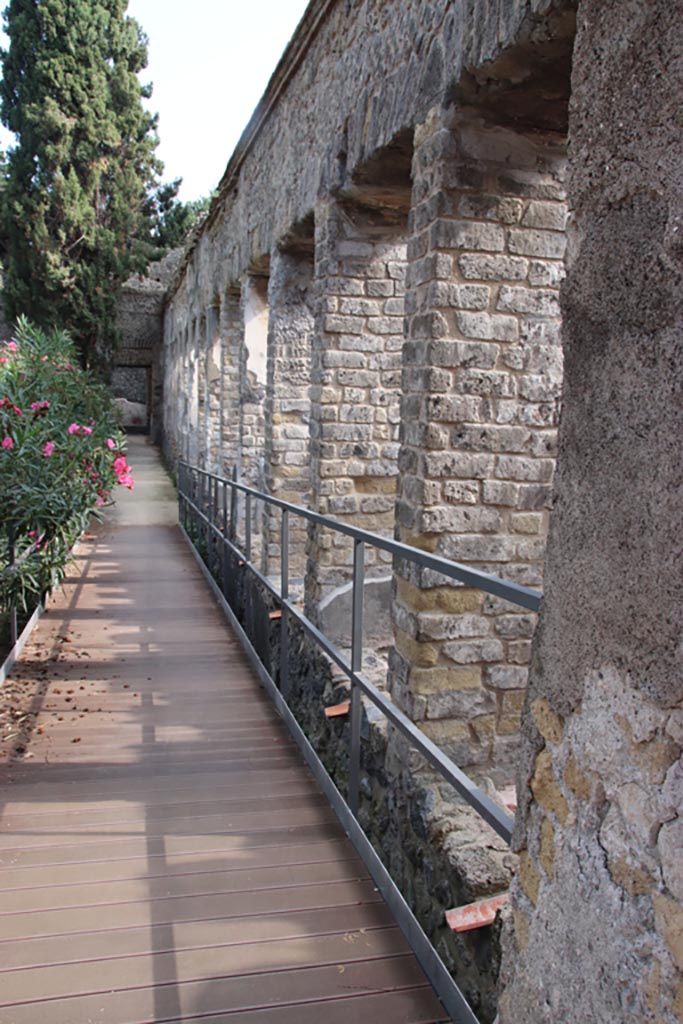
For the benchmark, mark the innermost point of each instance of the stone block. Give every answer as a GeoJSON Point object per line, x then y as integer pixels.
{"type": "Point", "coordinates": [445, 679]}
{"type": "Point", "coordinates": [483, 267]}
{"type": "Point", "coordinates": [516, 467]}
{"type": "Point", "coordinates": [471, 652]}
{"type": "Point", "coordinates": [548, 216]}
{"type": "Point", "coordinates": [432, 626]}
{"type": "Point", "coordinates": [544, 244]}
{"type": "Point", "coordinates": [539, 302]}
{"type": "Point", "coordinates": [488, 326]}
{"type": "Point", "coordinates": [471, 235]}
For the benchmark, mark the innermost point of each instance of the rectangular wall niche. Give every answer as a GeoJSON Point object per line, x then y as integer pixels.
{"type": "Point", "coordinates": [129, 386]}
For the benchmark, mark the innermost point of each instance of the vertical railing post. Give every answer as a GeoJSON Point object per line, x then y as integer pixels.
{"type": "Point", "coordinates": [224, 546]}
{"type": "Point", "coordinates": [356, 666]}
{"type": "Point", "coordinates": [284, 594]}
{"type": "Point", "coordinates": [233, 507]}
{"type": "Point", "coordinates": [247, 527]}
{"type": "Point", "coordinates": [12, 607]}
{"type": "Point", "coordinates": [206, 509]}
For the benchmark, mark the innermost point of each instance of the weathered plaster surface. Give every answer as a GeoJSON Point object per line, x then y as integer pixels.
{"type": "Point", "coordinates": [598, 901]}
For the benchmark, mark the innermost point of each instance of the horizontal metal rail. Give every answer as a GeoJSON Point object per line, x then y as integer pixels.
{"type": "Point", "coordinates": [525, 597]}
{"type": "Point", "coordinates": [217, 522]}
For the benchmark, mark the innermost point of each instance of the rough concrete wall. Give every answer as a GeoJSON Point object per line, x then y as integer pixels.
{"type": "Point", "coordinates": [598, 905]}
{"type": "Point", "coordinates": [481, 384]}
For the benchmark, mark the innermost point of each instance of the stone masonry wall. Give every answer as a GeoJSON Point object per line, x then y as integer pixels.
{"type": "Point", "coordinates": [598, 901]}
{"type": "Point", "coordinates": [481, 386]}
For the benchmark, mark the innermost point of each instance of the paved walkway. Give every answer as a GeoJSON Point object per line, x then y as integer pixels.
{"type": "Point", "coordinates": [164, 853]}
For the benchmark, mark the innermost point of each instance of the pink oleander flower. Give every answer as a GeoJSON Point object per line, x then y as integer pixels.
{"type": "Point", "coordinates": [12, 346]}
{"type": "Point", "coordinates": [120, 465]}
{"type": "Point", "coordinates": [111, 443]}
{"type": "Point", "coordinates": [86, 430]}
{"type": "Point", "coordinates": [7, 444]}
{"type": "Point", "coordinates": [73, 428]}
{"type": "Point", "coordinates": [126, 480]}
{"type": "Point", "coordinates": [43, 359]}
{"type": "Point", "coordinates": [48, 449]}
{"type": "Point", "coordinates": [99, 502]}
{"type": "Point", "coordinates": [3, 360]}
{"type": "Point", "coordinates": [39, 407]}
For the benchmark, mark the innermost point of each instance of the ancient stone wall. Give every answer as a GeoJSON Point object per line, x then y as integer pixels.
{"type": "Point", "coordinates": [598, 901]}
{"type": "Point", "coordinates": [401, 190]}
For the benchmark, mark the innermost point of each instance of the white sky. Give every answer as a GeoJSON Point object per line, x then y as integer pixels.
{"type": "Point", "coordinates": [209, 62]}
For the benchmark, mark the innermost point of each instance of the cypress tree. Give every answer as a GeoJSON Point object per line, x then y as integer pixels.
{"type": "Point", "coordinates": [79, 199]}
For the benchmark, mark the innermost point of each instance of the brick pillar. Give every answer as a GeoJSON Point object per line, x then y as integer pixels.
{"type": "Point", "coordinates": [482, 375]}
{"type": "Point", "coordinates": [356, 359]}
{"type": "Point", "coordinates": [232, 344]}
{"type": "Point", "coordinates": [202, 392]}
{"type": "Point", "coordinates": [287, 425]}
{"type": "Point", "coordinates": [598, 900]}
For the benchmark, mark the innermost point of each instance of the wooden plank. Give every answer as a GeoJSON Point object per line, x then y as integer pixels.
{"type": "Point", "coordinates": [179, 966]}
{"type": "Point", "coordinates": [196, 934]}
{"type": "Point", "coordinates": [255, 991]}
{"type": "Point", "coordinates": [189, 908]}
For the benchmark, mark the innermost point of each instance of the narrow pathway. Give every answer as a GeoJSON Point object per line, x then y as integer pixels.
{"type": "Point", "coordinates": [164, 853]}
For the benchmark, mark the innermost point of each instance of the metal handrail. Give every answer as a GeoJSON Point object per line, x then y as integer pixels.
{"type": "Point", "coordinates": [523, 596]}
{"type": "Point", "coordinates": [207, 486]}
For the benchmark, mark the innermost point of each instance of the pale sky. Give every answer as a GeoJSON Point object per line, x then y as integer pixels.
{"type": "Point", "coordinates": [209, 62]}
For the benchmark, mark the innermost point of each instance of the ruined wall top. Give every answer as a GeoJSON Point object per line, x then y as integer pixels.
{"type": "Point", "coordinates": [357, 76]}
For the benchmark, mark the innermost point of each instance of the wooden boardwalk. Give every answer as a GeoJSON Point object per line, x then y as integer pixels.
{"type": "Point", "coordinates": [164, 853]}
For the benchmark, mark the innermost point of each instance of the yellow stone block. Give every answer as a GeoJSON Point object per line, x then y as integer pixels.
{"type": "Point", "coordinates": [547, 856]}
{"type": "Point", "coordinates": [422, 541]}
{"type": "Point", "coordinates": [632, 879]}
{"type": "Point", "coordinates": [546, 790]}
{"type": "Point", "coordinates": [550, 724]}
{"type": "Point", "coordinates": [578, 781]}
{"type": "Point", "coordinates": [529, 878]}
{"type": "Point", "coordinates": [521, 929]}
{"type": "Point", "coordinates": [451, 600]}
{"type": "Point", "coordinates": [440, 679]}
{"type": "Point", "coordinates": [446, 730]}
{"type": "Point", "coordinates": [669, 922]}
{"type": "Point", "coordinates": [424, 655]}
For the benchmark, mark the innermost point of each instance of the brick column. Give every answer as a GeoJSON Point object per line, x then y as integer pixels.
{"type": "Point", "coordinates": [360, 271]}
{"type": "Point", "coordinates": [232, 344]}
{"type": "Point", "coordinates": [482, 375]}
{"type": "Point", "coordinates": [287, 410]}
{"type": "Point", "coordinates": [201, 357]}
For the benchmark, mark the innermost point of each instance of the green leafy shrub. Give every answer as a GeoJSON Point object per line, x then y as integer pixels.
{"type": "Point", "coordinates": [61, 455]}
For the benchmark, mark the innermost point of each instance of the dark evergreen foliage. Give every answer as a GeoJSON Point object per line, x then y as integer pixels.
{"type": "Point", "coordinates": [81, 201]}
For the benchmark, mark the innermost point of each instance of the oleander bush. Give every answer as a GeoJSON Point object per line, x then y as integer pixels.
{"type": "Point", "coordinates": [61, 455]}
